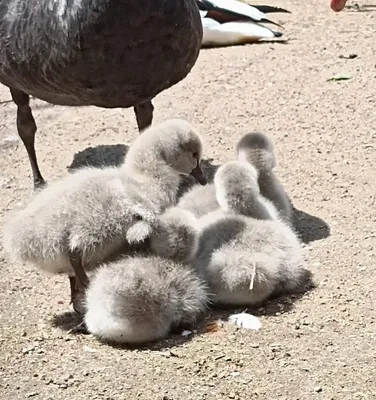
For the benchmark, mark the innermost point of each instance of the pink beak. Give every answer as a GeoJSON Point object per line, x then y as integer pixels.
{"type": "Point", "coordinates": [337, 5]}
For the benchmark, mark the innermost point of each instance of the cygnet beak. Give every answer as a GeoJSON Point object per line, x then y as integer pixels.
{"type": "Point", "coordinates": [198, 175]}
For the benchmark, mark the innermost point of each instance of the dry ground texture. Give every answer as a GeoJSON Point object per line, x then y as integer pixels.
{"type": "Point", "coordinates": [320, 346]}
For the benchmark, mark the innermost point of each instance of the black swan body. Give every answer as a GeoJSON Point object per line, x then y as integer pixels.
{"type": "Point", "coordinates": [106, 53]}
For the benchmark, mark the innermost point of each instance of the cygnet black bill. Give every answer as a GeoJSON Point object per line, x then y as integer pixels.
{"type": "Point", "coordinates": [198, 175]}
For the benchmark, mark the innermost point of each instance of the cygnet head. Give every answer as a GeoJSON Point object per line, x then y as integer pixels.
{"type": "Point", "coordinates": [258, 150]}
{"type": "Point", "coordinates": [174, 143]}
{"type": "Point", "coordinates": [176, 236]}
{"type": "Point", "coordinates": [236, 186]}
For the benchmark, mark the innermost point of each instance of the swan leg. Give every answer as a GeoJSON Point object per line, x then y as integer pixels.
{"type": "Point", "coordinates": [78, 283]}
{"type": "Point", "coordinates": [144, 115]}
{"type": "Point", "coordinates": [26, 129]}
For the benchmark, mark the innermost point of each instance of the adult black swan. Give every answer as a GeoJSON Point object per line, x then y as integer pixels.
{"type": "Point", "coordinates": [106, 53]}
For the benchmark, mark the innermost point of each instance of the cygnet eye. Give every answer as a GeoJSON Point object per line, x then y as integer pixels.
{"type": "Point", "coordinates": [194, 154]}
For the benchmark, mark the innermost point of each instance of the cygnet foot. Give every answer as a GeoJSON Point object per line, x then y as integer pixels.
{"type": "Point", "coordinates": [39, 184]}
{"type": "Point", "coordinates": [77, 299]}
{"type": "Point", "coordinates": [81, 328]}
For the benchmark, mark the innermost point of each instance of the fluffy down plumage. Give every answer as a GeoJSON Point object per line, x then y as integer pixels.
{"type": "Point", "coordinates": [141, 299]}
{"type": "Point", "coordinates": [245, 261]}
{"type": "Point", "coordinates": [96, 212]}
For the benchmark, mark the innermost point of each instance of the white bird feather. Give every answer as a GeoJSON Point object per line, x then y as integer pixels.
{"type": "Point", "coordinates": [231, 33]}
{"type": "Point", "coordinates": [230, 22]}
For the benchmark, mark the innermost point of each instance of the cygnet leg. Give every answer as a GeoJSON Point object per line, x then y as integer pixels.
{"type": "Point", "coordinates": [72, 283]}
{"type": "Point", "coordinates": [144, 115]}
{"type": "Point", "coordinates": [81, 327]}
{"type": "Point", "coordinates": [178, 328]}
{"type": "Point", "coordinates": [26, 129]}
{"type": "Point", "coordinates": [81, 280]}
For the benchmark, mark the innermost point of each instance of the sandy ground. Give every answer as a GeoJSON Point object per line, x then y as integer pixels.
{"type": "Point", "coordinates": [320, 346]}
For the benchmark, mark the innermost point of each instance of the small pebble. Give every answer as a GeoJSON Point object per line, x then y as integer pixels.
{"type": "Point", "coordinates": [27, 350]}
{"type": "Point", "coordinates": [318, 389]}
{"type": "Point", "coordinates": [31, 394]}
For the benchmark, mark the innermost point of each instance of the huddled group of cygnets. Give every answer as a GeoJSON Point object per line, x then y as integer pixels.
{"type": "Point", "coordinates": [142, 262]}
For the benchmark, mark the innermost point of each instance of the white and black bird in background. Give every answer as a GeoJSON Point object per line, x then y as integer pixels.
{"type": "Point", "coordinates": [231, 22]}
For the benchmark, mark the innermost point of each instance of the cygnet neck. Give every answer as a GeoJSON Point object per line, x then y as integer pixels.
{"type": "Point", "coordinates": [265, 175]}
{"type": "Point", "coordinates": [156, 178]}
{"type": "Point", "coordinates": [151, 164]}
{"type": "Point", "coordinates": [263, 161]}
{"type": "Point", "coordinates": [252, 207]}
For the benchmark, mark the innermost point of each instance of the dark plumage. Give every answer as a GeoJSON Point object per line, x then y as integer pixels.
{"type": "Point", "coordinates": [106, 53]}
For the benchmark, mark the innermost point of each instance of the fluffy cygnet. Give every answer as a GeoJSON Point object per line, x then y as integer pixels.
{"type": "Point", "coordinates": [176, 236]}
{"type": "Point", "coordinates": [244, 260]}
{"type": "Point", "coordinates": [84, 218]}
{"type": "Point", "coordinates": [237, 190]}
{"type": "Point", "coordinates": [141, 299]}
{"type": "Point", "coordinates": [199, 200]}
{"type": "Point", "coordinates": [258, 150]}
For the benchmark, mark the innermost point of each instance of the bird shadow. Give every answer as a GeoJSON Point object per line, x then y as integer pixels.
{"type": "Point", "coordinates": [258, 43]}
{"type": "Point", "coordinates": [69, 321]}
{"type": "Point", "coordinates": [272, 41]}
{"type": "Point", "coordinates": [309, 227]}
{"type": "Point", "coordinates": [99, 156]}
{"type": "Point", "coordinates": [66, 321]}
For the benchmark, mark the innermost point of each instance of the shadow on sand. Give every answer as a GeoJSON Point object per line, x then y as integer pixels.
{"type": "Point", "coordinates": [68, 321]}
{"type": "Point", "coordinates": [275, 306]}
